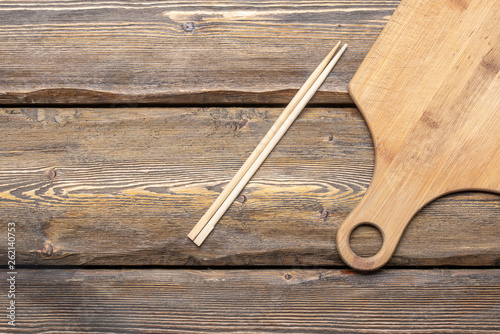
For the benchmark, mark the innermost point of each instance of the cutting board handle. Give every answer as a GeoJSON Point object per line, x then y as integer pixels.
{"type": "Point", "coordinates": [388, 205]}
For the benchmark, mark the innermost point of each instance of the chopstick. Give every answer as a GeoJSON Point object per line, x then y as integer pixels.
{"type": "Point", "coordinates": [206, 224]}
{"type": "Point", "coordinates": [263, 143]}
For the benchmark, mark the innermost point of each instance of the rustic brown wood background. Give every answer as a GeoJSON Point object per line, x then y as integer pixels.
{"type": "Point", "coordinates": [122, 121]}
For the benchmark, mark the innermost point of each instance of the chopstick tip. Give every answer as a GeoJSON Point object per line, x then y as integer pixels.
{"type": "Point", "coordinates": [198, 241]}
{"type": "Point", "coordinates": [194, 240]}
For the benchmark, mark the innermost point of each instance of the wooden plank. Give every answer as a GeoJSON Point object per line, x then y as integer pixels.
{"type": "Point", "coordinates": [125, 186]}
{"type": "Point", "coordinates": [257, 301]}
{"type": "Point", "coordinates": [196, 52]}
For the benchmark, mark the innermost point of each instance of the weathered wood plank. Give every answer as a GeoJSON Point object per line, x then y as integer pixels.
{"type": "Point", "coordinates": [257, 301]}
{"type": "Point", "coordinates": [125, 186]}
{"type": "Point", "coordinates": [117, 52]}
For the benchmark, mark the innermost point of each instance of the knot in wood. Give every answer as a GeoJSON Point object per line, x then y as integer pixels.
{"type": "Point", "coordinates": [52, 174]}
{"type": "Point", "coordinates": [188, 26]}
{"type": "Point", "coordinates": [47, 250]}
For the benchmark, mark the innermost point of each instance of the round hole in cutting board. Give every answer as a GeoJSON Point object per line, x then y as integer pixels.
{"type": "Point", "coordinates": [366, 240]}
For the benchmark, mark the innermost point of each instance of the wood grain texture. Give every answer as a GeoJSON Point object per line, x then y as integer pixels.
{"type": "Point", "coordinates": [430, 93]}
{"type": "Point", "coordinates": [196, 52]}
{"type": "Point", "coordinates": [125, 186]}
{"type": "Point", "coordinates": [257, 301]}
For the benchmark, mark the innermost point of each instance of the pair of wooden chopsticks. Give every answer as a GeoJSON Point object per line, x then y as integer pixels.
{"type": "Point", "coordinates": [207, 223]}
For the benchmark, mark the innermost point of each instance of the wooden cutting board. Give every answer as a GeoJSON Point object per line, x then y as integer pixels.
{"type": "Point", "coordinates": [429, 90]}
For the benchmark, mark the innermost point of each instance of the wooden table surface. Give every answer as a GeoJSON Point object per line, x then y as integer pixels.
{"type": "Point", "coordinates": [122, 121]}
